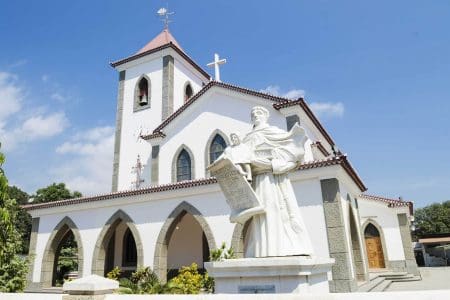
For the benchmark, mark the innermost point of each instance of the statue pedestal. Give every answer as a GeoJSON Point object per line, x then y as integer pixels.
{"type": "Point", "coordinates": [287, 274]}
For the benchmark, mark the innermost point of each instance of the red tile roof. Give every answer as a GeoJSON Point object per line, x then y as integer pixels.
{"type": "Point", "coordinates": [162, 47]}
{"type": "Point", "coordinates": [160, 40]}
{"type": "Point", "coordinates": [338, 160]}
{"type": "Point", "coordinates": [390, 202]}
{"type": "Point", "coordinates": [278, 103]}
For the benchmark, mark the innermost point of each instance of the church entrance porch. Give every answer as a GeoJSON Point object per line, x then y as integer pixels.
{"type": "Point", "coordinates": [118, 244]}
{"type": "Point", "coordinates": [374, 246]}
{"type": "Point", "coordinates": [63, 255]}
{"type": "Point", "coordinates": [185, 238]}
{"type": "Point", "coordinates": [187, 245]}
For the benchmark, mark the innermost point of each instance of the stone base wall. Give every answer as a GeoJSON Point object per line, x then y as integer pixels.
{"type": "Point", "coordinates": [410, 295]}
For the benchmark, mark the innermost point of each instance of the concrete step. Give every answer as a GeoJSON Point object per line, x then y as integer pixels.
{"type": "Point", "coordinates": [370, 285]}
{"type": "Point", "coordinates": [409, 278]}
{"type": "Point", "coordinates": [392, 274]}
{"type": "Point", "coordinates": [382, 286]}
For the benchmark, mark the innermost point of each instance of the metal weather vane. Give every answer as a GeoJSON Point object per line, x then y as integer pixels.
{"type": "Point", "coordinates": [164, 13]}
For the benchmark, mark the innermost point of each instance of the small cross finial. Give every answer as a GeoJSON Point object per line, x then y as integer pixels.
{"type": "Point", "coordinates": [216, 64]}
{"type": "Point", "coordinates": [138, 170]}
{"type": "Point", "coordinates": [164, 14]}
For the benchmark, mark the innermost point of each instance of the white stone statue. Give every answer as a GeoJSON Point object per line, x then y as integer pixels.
{"type": "Point", "coordinates": [278, 228]}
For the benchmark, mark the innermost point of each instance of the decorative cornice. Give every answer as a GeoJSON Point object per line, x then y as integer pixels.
{"type": "Point", "coordinates": [168, 45]}
{"type": "Point", "coordinates": [301, 102]}
{"type": "Point", "coordinates": [336, 160]}
{"type": "Point", "coordinates": [150, 190]}
{"type": "Point", "coordinates": [341, 160]}
{"type": "Point", "coordinates": [390, 202]}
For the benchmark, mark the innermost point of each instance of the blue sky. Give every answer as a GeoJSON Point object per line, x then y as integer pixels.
{"type": "Point", "coordinates": [377, 74]}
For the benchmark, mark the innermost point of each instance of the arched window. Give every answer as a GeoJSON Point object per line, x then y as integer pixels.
{"type": "Point", "coordinates": [188, 92]}
{"type": "Point", "coordinates": [184, 166]}
{"type": "Point", "coordinates": [142, 93]}
{"type": "Point", "coordinates": [216, 149]}
{"type": "Point", "coordinates": [129, 249]}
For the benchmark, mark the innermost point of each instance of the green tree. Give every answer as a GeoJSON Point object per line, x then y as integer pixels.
{"type": "Point", "coordinates": [432, 219]}
{"type": "Point", "coordinates": [13, 269]}
{"type": "Point", "coordinates": [54, 192]}
{"type": "Point", "coordinates": [17, 194]}
{"type": "Point", "coordinates": [23, 221]}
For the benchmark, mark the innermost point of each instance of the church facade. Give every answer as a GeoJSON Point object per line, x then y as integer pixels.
{"type": "Point", "coordinates": [166, 211]}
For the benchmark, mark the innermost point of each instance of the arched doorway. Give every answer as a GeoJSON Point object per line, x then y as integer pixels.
{"type": "Point", "coordinates": [63, 254]}
{"type": "Point", "coordinates": [374, 247]}
{"type": "Point", "coordinates": [185, 238]}
{"type": "Point", "coordinates": [118, 245]}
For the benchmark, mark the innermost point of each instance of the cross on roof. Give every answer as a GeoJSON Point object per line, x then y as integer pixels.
{"type": "Point", "coordinates": [216, 64]}
{"type": "Point", "coordinates": [138, 170]}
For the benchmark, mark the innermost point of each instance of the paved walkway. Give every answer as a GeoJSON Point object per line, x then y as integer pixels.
{"type": "Point", "coordinates": [437, 278]}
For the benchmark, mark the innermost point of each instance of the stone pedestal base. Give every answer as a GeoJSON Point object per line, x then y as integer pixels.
{"type": "Point", "coordinates": [288, 274]}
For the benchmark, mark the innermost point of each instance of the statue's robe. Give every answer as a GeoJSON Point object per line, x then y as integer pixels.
{"type": "Point", "coordinates": [281, 230]}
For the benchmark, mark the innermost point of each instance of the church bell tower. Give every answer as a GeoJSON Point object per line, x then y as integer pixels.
{"type": "Point", "coordinates": [153, 83]}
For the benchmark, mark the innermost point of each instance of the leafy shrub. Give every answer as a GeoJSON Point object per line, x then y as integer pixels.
{"type": "Point", "coordinates": [222, 253]}
{"type": "Point", "coordinates": [189, 280]}
{"type": "Point", "coordinates": [114, 274]}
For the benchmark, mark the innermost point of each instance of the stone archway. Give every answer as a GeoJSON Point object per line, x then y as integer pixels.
{"type": "Point", "coordinates": [162, 243]}
{"type": "Point", "coordinates": [58, 234]}
{"type": "Point", "coordinates": [357, 249]}
{"type": "Point", "coordinates": [238, 239]}
{"type": "Point", "coordinates": [99, 256]}
{"type": "Point", "coordinates": [379, 245]}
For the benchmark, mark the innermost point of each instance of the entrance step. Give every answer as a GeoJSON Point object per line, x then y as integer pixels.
{"type": "Point", "coordinates": [371, 284]}
{"type": "Point", "coordinates": [399, 276]}
{"type": "Point", "coordinates": [382, 286]}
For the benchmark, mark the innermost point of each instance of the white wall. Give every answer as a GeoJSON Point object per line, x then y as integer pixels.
{"type": "Point", "coordinates": [150, 213]}
{"type": "Point", "coordinates": [182, 74]}
{"type": "Point", "coordinates": [133, 122]}
{"type": "Point", "coordinates": [193, 128]}
{"type": "Point", "coordinates": [309, 199]}
{"type": "Point", "coordinates": [149, 217]}
{"type": "Point", "coordinates": [385, 217]}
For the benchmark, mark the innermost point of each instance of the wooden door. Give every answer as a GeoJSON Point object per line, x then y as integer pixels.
{"type": "Point", "coordinates": [375, 252]}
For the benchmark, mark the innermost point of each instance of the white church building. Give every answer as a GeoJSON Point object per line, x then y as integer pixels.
{"type": "Point", "coordinates": [165, 211]}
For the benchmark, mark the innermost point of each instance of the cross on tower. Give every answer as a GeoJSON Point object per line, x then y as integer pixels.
{"type": "Point", "coordinates": [216, 64]}
{"type": "Point", "coordinates": [138, 170]}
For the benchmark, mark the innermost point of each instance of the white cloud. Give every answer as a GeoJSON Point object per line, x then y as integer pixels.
{"type": "Point", "coordinates": [18, 63]}
{"type": "Point", "coordinates": [328, 109]}
{"type": "Point", "coordinates": [321, 109]}
{"type": "Point", "coordinates": [11, 96]}
{"type": "Point", "coordinates": [15, 127]}
{"type": "Point", "coordinates": [34, 128]}
{"type": "Point", "coordinates": [58, 97]}
{"type": "Point", "coordinates": [44, 126]}
{"type": "Point", "coordinates": [276, 91]}
{"type": "Point", "coordinates": [88, 160]}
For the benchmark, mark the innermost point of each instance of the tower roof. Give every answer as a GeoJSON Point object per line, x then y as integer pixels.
{"type": "Point", "coordinates": [165, 37]}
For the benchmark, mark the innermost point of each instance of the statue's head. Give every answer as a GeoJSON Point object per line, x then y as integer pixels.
{"type": "Point", "coordinates": [235, 140]}
{"type": "Point", "coordinates": [259, 115]}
